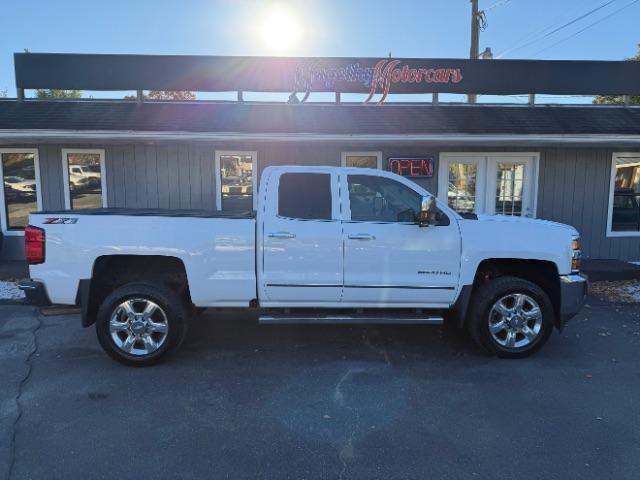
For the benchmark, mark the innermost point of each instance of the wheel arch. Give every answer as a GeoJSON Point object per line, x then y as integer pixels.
{"type": "Point", "coordinates": [543, 273]}
{"type": "Point", "coordinates": [112, 271]}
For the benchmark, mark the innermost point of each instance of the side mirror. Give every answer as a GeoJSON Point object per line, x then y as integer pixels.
{"type": "Point", "coordinates": [428, 211]}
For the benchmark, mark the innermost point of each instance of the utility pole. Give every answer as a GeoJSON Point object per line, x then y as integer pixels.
{"type": "Point", "coordinates": [475, 40]}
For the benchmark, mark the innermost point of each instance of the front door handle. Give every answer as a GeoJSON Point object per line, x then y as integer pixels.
{"type": "Point", "coordinates": [282, 235]}
{"type": "Point", "coordinates": [361, 236]}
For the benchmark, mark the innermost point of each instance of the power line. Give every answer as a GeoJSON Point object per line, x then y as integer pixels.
{"type": "Point", "coordinates": [561, 27]}
{"type": "Point", "coordinates": [587, 27]}
{"type": "Point", "coordinates": [535, 32]}
{"type": "Point", "coordinates": [497, 4]}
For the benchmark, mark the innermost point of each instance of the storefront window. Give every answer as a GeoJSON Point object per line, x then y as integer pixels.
{"type": "Point", "coordinates": [236, 181]}
{"type": "Point", "coordinates": [461, 195]}
{"type": "Point", "coordinates": [84, 175]}
{"type": "Point", "coordinates": [20, 188]}
{"type": "Point", "coordinates": [362, 159]}
{"type": "Point", "coordinates": [626, 196]}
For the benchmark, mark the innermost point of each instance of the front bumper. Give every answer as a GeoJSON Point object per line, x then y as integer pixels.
{"type": "Point", "coordinates": [35, 292]}
{"type": "Point", "coordinates": [573, 294]}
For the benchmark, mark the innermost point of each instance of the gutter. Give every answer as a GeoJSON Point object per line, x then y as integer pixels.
{"type": "Point", "coordinates": [32, 136]}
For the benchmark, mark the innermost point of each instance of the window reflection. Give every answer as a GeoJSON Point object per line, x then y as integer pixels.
{"type": "Point", "coordinates": [236, 177]}
{"type": "Point", "coordinates": [362, 161]}
{"type": "Point", "coordinates": [20, 189]}
{"type": "Point", "coordinates": [509, 186]}
{"type": "Point", "coordinates": [85, 180]}
{"type": "Point", "coordinates": [626, 196]}
{"type": "Point", "coordinates": [461, 195]}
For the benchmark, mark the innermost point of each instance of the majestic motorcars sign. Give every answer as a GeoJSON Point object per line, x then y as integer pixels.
{"type": "Point", "coordinates": [414, 167]}
{"type": "Point", "coordinates": [325, 74]}
{"type": "Point", "coordinates": [378, 79]}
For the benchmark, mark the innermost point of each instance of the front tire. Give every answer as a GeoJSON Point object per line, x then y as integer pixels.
{"type": "Point", "coordinates": [140, 324]}
{"type": "Point", "coordinates": [510, 317]}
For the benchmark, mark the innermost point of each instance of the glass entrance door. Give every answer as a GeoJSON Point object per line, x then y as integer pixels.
{"type": "Point", "coordinates": [510, 186]}
{"type": "Point", "coordinates": [494, 184]}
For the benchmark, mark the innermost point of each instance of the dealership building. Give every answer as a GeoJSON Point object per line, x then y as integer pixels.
{"type": "Point", "coordinates": [575, 164]}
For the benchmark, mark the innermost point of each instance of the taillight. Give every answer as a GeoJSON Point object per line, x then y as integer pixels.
{"type": "Point", "coordinates": [34, 239]}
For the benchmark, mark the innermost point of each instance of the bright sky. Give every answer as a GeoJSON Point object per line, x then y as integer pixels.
{"type": "Point", "coordinates": [406, 28]}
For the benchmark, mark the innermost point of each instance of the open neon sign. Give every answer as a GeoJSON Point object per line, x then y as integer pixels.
{"type": "Point", "coordinates": [412, 166]}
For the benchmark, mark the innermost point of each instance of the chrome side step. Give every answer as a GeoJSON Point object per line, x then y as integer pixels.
{"type": "Point", "coordinates": [293, 318]}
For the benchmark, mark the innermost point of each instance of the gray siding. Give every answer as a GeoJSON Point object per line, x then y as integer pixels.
{"type": "Point", "coordinates": [573, 182]}
{"type": "Point", "coordinates": [574, 189]}
{"type": "Point", "coordinates": [177, 176]}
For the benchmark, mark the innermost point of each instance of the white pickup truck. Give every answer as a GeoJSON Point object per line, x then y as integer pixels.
{"type": "Point", "coordinates": [326, 245]}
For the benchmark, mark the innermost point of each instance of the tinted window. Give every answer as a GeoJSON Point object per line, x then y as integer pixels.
{"type": "Point", "coordinates": [305, 195]}
{"type": "Point", "coordinates": [379, 199]}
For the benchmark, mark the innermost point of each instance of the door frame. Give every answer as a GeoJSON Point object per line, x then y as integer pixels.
{"type": "Point", "coordinates": [483, 181]}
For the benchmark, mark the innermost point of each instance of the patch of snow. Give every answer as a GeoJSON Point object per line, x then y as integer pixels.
{"type": "Point", "coordinates": [10, 291]}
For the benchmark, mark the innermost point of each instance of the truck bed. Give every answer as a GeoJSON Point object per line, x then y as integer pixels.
{"type": "Point", "coordinates": [217, 249]}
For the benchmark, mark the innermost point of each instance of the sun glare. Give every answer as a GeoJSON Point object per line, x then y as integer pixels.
{"type": "Point", "coordinates": [280, 29]}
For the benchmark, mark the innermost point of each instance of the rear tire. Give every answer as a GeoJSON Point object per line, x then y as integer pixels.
{"type": "Point", "coordinates": [510, 317]}
{"type": "Point", "coordinates": [140, 324]}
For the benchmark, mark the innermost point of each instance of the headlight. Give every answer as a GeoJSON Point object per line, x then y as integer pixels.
{"type": "Point", "coordinates": [576, 254]}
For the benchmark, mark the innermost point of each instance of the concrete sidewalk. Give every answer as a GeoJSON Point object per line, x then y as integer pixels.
{"type": "Point", "coordinates": [610, 270]}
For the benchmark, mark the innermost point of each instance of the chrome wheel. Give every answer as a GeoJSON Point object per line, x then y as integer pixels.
{"type": "Point", "coordinates": [138, 326]}
{"type": "Point", "coordinates": [515, 321]}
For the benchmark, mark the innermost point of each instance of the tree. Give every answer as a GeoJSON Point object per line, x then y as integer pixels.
{"type": "Point", "coordinates": [3, 93]}
{"type": "Point", "coordinates": [48, 93]}
{"type": "Point", "coordinates": [618, 99]}
{"type": "Point", "coordinates": [165, 95]}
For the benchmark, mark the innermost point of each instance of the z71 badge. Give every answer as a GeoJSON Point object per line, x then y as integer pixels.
{"type": "Point", "coordinates": [60, 221]}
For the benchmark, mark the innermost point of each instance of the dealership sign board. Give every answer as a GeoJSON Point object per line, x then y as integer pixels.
{"type": "Point", "coordinates": [378, 79]}
{"type": "Point", "coordinates": [369, 76]}
{"type": "Point", "coordinates": [413, 167]}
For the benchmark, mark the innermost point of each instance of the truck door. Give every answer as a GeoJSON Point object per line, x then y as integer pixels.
{"type": "Point", "coordinates": [389, 259]}
{"type": "Point", "coordinates": [302, 239]}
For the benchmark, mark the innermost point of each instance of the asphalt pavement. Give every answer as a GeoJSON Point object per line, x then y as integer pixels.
{"type": "Point", "coordinates": [243, 401]}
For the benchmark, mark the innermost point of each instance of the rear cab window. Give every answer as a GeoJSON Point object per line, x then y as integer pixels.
{"type": "Point", "coordinates": [305, 196]}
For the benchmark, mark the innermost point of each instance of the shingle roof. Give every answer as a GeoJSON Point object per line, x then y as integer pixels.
{"type": "Point", "coordinates": [316, 118]}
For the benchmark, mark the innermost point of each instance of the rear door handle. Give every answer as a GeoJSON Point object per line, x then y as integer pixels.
{"type": "Point", "coordinates": [282, 235]}
{"type": "Point", "coordinates": [361, 236]}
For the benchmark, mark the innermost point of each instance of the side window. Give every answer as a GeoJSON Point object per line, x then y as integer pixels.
{"type": "Point", "coordinates": [305, 196]}
{"type": "Point", "coordinates": [84, 179]}
{"type": "Point", "coordinates": [379, 199]}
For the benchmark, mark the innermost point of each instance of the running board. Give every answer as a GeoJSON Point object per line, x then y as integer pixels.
{"type": "Point", "coordinates": [351, 319]}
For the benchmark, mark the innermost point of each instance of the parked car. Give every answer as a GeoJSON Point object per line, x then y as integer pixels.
{"type": "Point", "coordinates": [626, 210]}
{"type": "Point", "coordinates": [18, 188]}
{"type": "Point", "coordinates": [327, 245]}
{"type": "Point", "coordinates": [78, 183]}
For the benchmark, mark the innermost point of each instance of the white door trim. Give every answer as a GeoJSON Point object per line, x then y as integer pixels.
{"type": "Point", "coordinates": [482, 182]}
{"type": "Point", "coordinates": [36, 166]}
{"type": "Point", "coordinates": [65, 173]}
{"type": "Point", "coordinates": [254, 174]}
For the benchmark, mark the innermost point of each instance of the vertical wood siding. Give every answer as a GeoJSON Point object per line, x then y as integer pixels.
{"type": "Point", "coordinates": [574, 189]}
{"type": "Point", "coordinates": [573, 182]}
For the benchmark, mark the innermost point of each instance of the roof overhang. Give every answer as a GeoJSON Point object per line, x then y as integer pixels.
{"type": "Point", "coordinates": [92, 136]}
